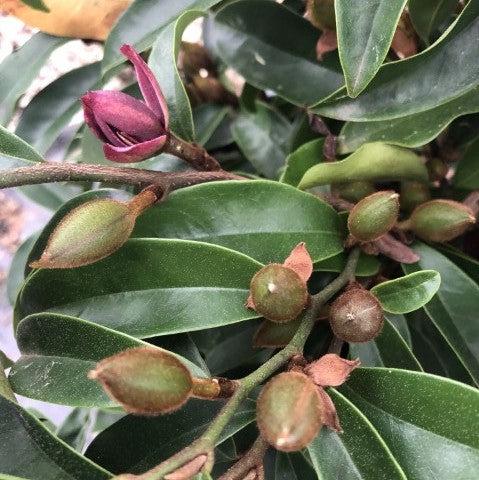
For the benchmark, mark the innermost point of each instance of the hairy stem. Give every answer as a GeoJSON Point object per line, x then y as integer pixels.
{"type": "Point", "coordinates": [207, 441]}
{"type": "Point", "coordinates": [47, 172]}
{"type": "Point", "coordinates": [194, 154]}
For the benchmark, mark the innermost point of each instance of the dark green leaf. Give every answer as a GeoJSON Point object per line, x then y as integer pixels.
{"type": "Point", "coordinates": [20, 151]}
{"type": "Point", "coordinates": [389, 349]}
{"type": "Point", "coordinates": [30, 450]}
{"type": "Point", "coordinates": [141, 22]}
{"type": "Point", "coordinates": [301, 160]}
{"type": "Point", "coordinates": [269, 214]}
{"type": "Point", "coordinates": [149, 287]}
{"type": "Point", "coordinates": [262, 51]}
{"type": "Point", "coordinates": [359, 453]}
{"type": "Point", "coordinates": [36, 4]}
{"type": "Point", "coordinates": [408, 293]}
{"type": "Point", "coordinates": [292, 466]}
{"type": "Point", "coordinates": [411, 130]}
{"type": "Point", "coordinates": [428, 15]}
{"type": "Point", "coordinates": [404, 87]}
{"type": "Point", "coordinates": [162, 61]}
{"type": "Point", "coordinates": [51, 110]}
{"type": "Point", "coordinates": [207, 117]}
{"type": "Point", "coordinates": [427, 422]}
{"type": "Point", "coordinates": [432, 350]}
{"type": "Point", "coordinates": [135, 444]}
{"type": "Point", "coordinates": [57, 354]}
{"type": "Point", "coordinates": [262, 136]}
{"type": "Point", "coordinates": [452, 308]}
{"type": "Point", "coordinates": [19, 69]}
{"type": "Point", "coordinates": [468, 264]}
{"type": "Point", "coordinates": [467, 173]}
{"type": "Point", "coordinates": [367, 266]}
{"type": "Point", "coordinates": [364, 38]}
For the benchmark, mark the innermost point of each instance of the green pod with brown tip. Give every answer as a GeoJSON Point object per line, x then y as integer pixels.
{"type": "Point", "coordinates": [440, 220]}
{"type": "Point", "coordinates": [356, 316]}
{"type": "Point", "coordinates": [278, 293]}
{"type": "Point", "coordinates": [288, 411]}
{"type": "Point", "coordinates": [145, 380]}
{"type": "Point", "coordinates": [374, 216]}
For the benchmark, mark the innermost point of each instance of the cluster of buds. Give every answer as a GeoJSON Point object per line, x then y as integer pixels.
{"type": "Point", "coordinates": [293, 406]}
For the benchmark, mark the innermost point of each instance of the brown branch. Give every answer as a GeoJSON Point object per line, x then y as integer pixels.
{"type": "Point", "coordinates": [46, 172]}
{"type": "Point", "coordinates": [194, 154]}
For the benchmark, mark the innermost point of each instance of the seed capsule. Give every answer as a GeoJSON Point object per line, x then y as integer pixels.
{"type": "Point", "coordinates": [356, 316]}
{"type": "Point", "coordinates": [374, 216]}
{"type": "Point", "coordinates": [278, 293]}
{"type": "Point", "coordinates": [440, 220]}
{"type": "Point", "coordinates": [288, 411]}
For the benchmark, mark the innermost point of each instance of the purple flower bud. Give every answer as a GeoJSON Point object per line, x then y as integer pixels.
{"type": "Point", "coordinates": [131, 130]}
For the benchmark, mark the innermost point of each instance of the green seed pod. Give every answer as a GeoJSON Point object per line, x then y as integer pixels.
{"type": "Point", "coordinates": [354, 191]}
{"type": "Point", "coordinates": [278, 293]}
{"type": "Point", "coordinates": [321, 14]}
{"type": "Point", "coordinates": [413, 194]}
{"type": "Point", "coordinates": [440, 220]}
{"type": "Point", "coordinates": [288, 411]}
{"type": "Point", "coordinates": [145, 380]}
{"type": "Point", "coordinates": [356, 315]}
{"type": "Point", "coordinates": [374, 216]}
{"type": "Point", "coordinates": [92, 231]}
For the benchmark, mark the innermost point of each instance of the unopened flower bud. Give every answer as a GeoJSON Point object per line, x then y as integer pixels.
{"type": "Point", "coordinates": [278, 293]}
{"type": "Point", "coordinates": [414, 194]}
{"type": "Point", "coordinates": [288, 411]}
{"type": "Point", "coordinates": [354, 191]}
{"type": "Point", "coordinates": [145, 380]}
{"type": "Point", "coordinates": [92, 231]}
{"type": "Point", "coordinates": [374, 216]}
{"type": "Point", "coordinates": [321, 14]}
{"type": "Point", "coordinates": [440, 220]}
{"type": "Point", "coordinates": [356, 315]}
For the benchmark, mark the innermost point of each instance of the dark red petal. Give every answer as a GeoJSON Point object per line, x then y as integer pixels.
{"type": "Point", "coordinates": [329, 416]}
{"type": "Point", "coordinates": [134, 153]}
{"type": "Point", "coordinates": [126, 114]}
{"type": "Point", "coordinates": [90, 119]}
{"type": "Point", "coordinates": [149, 86]}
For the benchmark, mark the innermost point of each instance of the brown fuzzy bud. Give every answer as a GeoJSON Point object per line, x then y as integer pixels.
{"type": "Point", "coordinates": [288, 411]}
{"type": "Point", "coordinates": [414, 194]}
{"type": "Point", "coordinates": [440, 220]}
{"type": "Point", "coordinates": [354, 191]}
{"type": "Point", "coordinates": [437, 168]}
{"type": "Point", "coordinates": [356, 315]}
{"type": "Point", "coordinates": [278, 293]}
{"type": "Point", "coordinates": [374, 216]}
{"type": "Point", "coordinates": [321, 14]}
{"type": "Point", "coordinates": [145, 380]}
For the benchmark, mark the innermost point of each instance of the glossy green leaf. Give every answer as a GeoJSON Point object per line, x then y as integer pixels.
{"type": "Point", "coordinates": [428, 15]}
{"type": "Point", "coordinates": [367, 266]}
{"type": "Point", "coordinates": [263, 136]}
{"type": "Point", "coordinates": [364, 38]}
{"type": "Point", "coordinates": [400, 324]}
{"type": "Point", "coordinates": [372, 161]}
{"type": "Point", "coordinates": [144, 288]}
{"type": "Point", "coordinates": [19, 69]}
{"type": "Point", "coordinates": [268, 214]}
{"type": "Point", "coordinates": [162, 61]}
{"type": "Point", "coordinates": [57, 354]}
{"type": "Point", "coordinates": [36, 4]}
{"type": "Point", "coordinates": [16, 274]}
{"type": "Point", "coordinates": [292, 466]}
{"type": "Point", "coordinates": [404, 87]}
{"type": "Point", "coordinates": [452, 308]}
{"type": "Point", "coordinates": [140, 24]}
{"type": "Point", "coordinates": [135, 444]}
{"type": "Point", "coordinates": [301, 160]}
{"type": "Point", "coordinates": [13, 146]}
{"type": "Point", "coordinates": [388, 349]}
{"type": "Point", "coordinates": [467, 264]}
{"type": "Point", "coordinates": [432, 350]}
{"type": "Point", "coordinates": [467, 172]}
{"type": "Point", "coordinates": [411, 130]}
{"type": "Point", "coordinates": [207, 117]}
{"type": "Point", "coordinates": [408, 293]}
{"type": "Point", "coordinates": [359, 453]}
{"type": "Point", "coordinates": [427, 422]}
{"type": "Point", "coordinates": [51, 110]}
{"type": "Point", "coordinates": [29, 450]}
{"type": "Point", "coordinates": [262, 51]}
